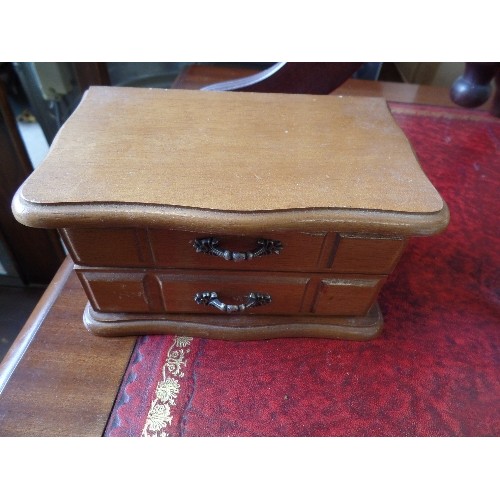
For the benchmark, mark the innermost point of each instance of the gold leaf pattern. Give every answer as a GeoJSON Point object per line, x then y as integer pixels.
{"type": "Point", "coordinates": [183, 341]}
{"type": "Point", "coordinates": [158, 417]}
{"type": "Point", "coordinates": [167, 389]}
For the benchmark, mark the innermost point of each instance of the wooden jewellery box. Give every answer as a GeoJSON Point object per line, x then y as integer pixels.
{"type": "Point", "coordinates": [231, 215]}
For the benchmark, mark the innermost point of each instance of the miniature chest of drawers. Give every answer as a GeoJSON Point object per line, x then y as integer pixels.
{"type": "Point", "coordinates": [231, 215]}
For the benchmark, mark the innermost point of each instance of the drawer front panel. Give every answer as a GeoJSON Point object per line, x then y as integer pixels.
{"type": "Point", "coordinates": [346, 296]}
{"type": "Point", "coordinates": [286, 292]}
{"type": "Point", "coordinates": [366, 254]}
{"type": "Point", "coordinates": [117, 247]}
{"type": "Point", "coordinates": [117, 292]}
{"type": "Point", "coordinates": [147, 292]}
{"type": "Point", "coordinates": [298, 251]}
{"type": "Point", "coordinates": [127, 290]}
{"type": "Point", "coordinates": [161, 248]}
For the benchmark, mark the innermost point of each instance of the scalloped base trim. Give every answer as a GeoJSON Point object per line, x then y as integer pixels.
{"type": "Point", "coordinates": [248, 327]}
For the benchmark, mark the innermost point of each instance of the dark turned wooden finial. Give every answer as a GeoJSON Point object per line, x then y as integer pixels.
{"type": "Point", "coordinates": [473, 88]}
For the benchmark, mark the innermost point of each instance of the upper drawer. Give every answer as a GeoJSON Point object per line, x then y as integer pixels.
{"type": "Point", "coordinates": [133, 247]}
{"type": "Point", "coordinates": [276, 251]}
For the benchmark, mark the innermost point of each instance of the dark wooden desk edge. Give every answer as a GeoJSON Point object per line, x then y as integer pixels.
{"type": "Point", "coordinates": [36, 318]}
{"type": "Point", "coordinates": [198, 76]}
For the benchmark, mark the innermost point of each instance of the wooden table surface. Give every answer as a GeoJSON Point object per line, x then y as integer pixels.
{"type": "Point", "coordinates": [59, 380]}
{"type": "Point", "coordinates": [63, 381]}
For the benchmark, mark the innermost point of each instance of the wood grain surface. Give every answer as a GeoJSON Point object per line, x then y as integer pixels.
{"type": "Point", "coordinates": [65, 380]}
{"type": "Point", "coordinates": [153, 291]}
{"type": "Point", "coordinates": [236, 327]}
{"type": "Point", "coordinates": [36, 318]}
{"type": "Point", "coordinates": [163, 248]}
{"type": "Point", "coordinates": [192, 150]}
{"type": "Point", "coordinates": [144, 247]}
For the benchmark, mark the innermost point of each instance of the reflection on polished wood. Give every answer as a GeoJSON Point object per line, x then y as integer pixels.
{"type": "Point", "coordinates": [59, 380]}
{"type": "Point", "coordinates": [198, 76]}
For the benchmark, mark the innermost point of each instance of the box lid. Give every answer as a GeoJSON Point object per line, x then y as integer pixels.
{"type": "Point", "coordinates": [131, 156]}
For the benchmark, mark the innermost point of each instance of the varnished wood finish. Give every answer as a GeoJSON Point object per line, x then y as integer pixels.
{"type": "Point", "coordinates": [179, 288]}
{"type": "Point", "coordinates": [346, 295]}
{"type": "Point", "coordinates": [188, 219]}
{"type": "Point", "coordinates": [175, 249]}
{"type": "Point", "coordinates": [357, 253]}
{"type": "Point", "coordinates": [235, 327]}
{"type": "Point", "coordinates": [36, 318]}
{"type": "Point", "coordinates": [158, 248]}
{"type": "Point", "coordinates": [397, 92]}
{"type": "Point", "coordinates": [199, 76]}
{"type": "Point", "coordinates": [136, 291]}
{"type": "Point", "coordinates": [291, 157]}
{"type": "Point", "coordinates": [143, 247]}
{"type": "Point", "coordinates": [62, 381]}
{"type": "Point", "coordinates": [474, 88]}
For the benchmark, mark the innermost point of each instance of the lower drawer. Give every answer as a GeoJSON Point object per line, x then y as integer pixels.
{"type": "Point", "coordinates": [219, 292]}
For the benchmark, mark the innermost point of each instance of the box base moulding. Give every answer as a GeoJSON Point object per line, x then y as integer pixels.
{"type": "Point", "coordinates": [248, 327]}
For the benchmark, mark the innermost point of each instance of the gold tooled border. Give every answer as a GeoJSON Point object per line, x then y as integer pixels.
{"type": "Point", "coordinates": [163, 406]}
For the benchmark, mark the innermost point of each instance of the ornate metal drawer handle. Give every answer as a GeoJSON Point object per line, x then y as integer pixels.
{"type": "Point", "coordinates": [210, 299]}
{"type": "Point", "coordinates": [210, 246]}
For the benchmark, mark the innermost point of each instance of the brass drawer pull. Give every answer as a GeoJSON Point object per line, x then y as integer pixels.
{"type": "Point", "coordinates": [210, 246]}
{"type": "Point", "coordinates": [211, 299]}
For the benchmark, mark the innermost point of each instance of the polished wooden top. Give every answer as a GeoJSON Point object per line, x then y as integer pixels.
{"type": "Point", "coordinates": [159, 151]}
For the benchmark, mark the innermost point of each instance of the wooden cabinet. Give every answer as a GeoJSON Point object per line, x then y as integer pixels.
{"type": "Point", "coordinates": [237, 216]}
